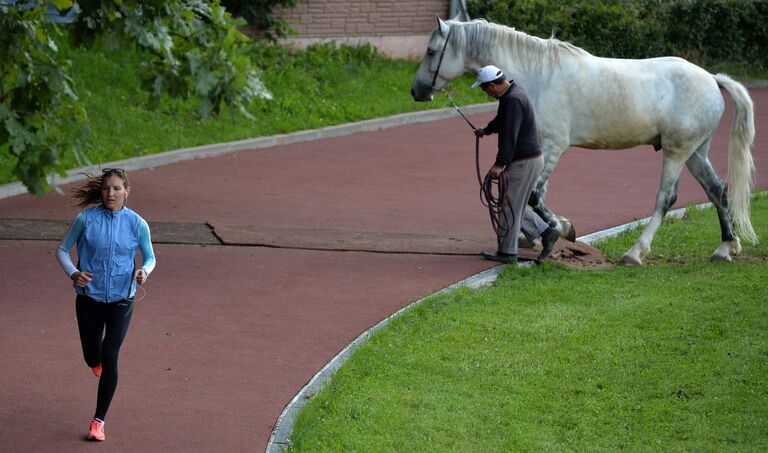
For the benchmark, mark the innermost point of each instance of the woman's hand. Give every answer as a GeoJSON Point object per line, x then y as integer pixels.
{"type": "Point", "coordinates": [81, 279]}
{"type": "Point", "coordinates": [140, 276]}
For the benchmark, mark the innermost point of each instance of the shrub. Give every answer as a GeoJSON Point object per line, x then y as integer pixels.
{"type": "Point", "coordinates": [704, 31]}
{"type": "Point", "coordinates": [260, 14]}
{"type": "Point", "coordinates": [718, 30]}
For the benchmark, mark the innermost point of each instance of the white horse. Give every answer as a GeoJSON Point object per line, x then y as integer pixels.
{"type": "Point", "coordinates": [606, 103]}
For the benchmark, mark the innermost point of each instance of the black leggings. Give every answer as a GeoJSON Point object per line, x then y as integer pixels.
{"type": "Point", "coordinates": [112, 320]}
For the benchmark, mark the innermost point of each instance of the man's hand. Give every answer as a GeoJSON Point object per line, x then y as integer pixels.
{"type": "Point", "coordinates": [480, 132]}
{"type": "Point", "coordinates": [495, 171]}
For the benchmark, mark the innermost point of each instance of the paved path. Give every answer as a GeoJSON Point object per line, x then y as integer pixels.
{"type": "Point", "coordinates": [228, 334]}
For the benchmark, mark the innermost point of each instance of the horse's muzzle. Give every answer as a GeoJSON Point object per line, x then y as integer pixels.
{"type": "Point", "coordinates": [420, 94]}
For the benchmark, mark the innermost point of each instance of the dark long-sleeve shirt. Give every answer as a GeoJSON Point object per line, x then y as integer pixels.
{"type": "Point", "coordinates": [516, 125]}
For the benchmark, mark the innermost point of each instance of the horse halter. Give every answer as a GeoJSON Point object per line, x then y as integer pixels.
{"type": "Point", "coordinates": [440, 62]}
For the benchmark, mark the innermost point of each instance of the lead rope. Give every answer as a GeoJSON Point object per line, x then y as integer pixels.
{"type": "Point", "coordinates": [494, 201]}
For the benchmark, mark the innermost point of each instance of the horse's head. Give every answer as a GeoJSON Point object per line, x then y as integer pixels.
{"type": "Point", "coordinates": [441, 63]}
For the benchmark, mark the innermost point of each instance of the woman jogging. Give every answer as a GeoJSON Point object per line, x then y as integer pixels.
{"type": "Point", "coordinates": [107, 236]}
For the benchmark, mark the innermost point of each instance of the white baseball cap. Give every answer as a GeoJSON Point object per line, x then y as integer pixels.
{"type": "Point", "coordinates": [487, 74]}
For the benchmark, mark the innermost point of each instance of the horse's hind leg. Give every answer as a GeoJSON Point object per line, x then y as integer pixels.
{"type": "Point", "coordinates": [716, 190]}
{"type": "Point", "coordinates": [552, 153]}
{"type": "Point", "coordinates": [670, 176]}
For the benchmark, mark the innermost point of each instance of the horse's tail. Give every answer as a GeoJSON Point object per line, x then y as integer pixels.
{"type": "Point", "coordinates": [741, 167]}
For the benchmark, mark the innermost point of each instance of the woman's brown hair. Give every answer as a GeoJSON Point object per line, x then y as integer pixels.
{"type": "Point", "coordinates": [90, 192]}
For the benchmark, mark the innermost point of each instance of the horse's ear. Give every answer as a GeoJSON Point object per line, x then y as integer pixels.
{"type": "Point", "coordinates": [444, 28]}
{"type": "Point", "coordinates": [461, 15]}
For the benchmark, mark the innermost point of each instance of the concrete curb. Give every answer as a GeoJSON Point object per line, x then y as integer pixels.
{"type": "Point", "coordinates": [280, 438]}
{"type": "Point", "coordinates": [281, 433]}
{"type": "Point", "coordinates": [169, 157]}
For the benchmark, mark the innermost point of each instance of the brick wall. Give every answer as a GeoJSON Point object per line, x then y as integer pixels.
{"type": "Point", "coordinates": [318, 18]}
{"type": "Point", "coordinates": [397, 28]}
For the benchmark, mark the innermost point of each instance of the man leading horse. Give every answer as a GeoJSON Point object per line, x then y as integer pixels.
{"type": "Point", "coordinates": [586, 101]}
{"type": "Point", "coordinates": [518, 162]}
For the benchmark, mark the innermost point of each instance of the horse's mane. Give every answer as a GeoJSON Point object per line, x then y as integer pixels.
{"type": "Point", "coordinates": [488, 41]}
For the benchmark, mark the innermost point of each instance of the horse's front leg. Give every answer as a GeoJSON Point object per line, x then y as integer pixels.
{"type": "Point", "coordinates": [667, 190]}
{"type": "Point", "coordinates": [552, 153]}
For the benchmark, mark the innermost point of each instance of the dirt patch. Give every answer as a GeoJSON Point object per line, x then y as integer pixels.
{"type": "Point", "coordinates": [578, 255]}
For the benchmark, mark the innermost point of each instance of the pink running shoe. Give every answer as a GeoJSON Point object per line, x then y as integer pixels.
{"type": "Point", "coordinates": [97, 370]}
{"type": "Point", "coordinates": [96, 431]}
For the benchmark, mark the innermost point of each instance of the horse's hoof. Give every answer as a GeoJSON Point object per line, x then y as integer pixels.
{"type": "Point", "coordinates": [720, 258]}
{"type": "Point", "coordinates": [571, 234]}
{"type": "Point", "coordinates": [629, 260]}
{"type": "Point", "coordinates": [567, 231]}
{"type": "Point", "coordinates": [723, 253]}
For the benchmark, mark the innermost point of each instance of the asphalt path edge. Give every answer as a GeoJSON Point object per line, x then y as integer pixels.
{"type": "Point", "coordinates": [178, 155]}
{"type": "Point", "coordinates": [279, 440]}
{"type": "Point", "coordinates": [182, 154]}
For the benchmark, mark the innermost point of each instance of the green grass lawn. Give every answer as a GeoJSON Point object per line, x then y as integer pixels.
{"type": "Point", "coordinates": [671, 356]}
{"type": "Point", "coordinates": [322, 86]}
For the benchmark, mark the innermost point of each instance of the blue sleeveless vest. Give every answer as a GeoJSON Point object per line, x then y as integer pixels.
{"type": "Point", "coordinates": [107, 248]}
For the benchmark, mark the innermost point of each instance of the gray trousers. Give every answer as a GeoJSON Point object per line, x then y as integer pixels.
{"type": "Point", "coordinates": [522, 176]}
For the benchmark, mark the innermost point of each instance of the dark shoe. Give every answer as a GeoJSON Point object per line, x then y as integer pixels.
{"type": "Point", "coordinates": [506, 258]}
{"type": "Point", "coordinates": [548, 239]}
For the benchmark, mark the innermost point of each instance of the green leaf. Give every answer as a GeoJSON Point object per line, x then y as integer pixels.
{"type": "Point", "coordinates": [62, 4]}
{"type": "Point", "coordinates": [40, 33]}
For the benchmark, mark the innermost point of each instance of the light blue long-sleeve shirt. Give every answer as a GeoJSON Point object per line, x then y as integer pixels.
{"type": "Point", "coordinates": [107, 242]}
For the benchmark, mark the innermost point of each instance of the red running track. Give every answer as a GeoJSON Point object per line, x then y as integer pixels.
{"type": "Point", "coordinates": [227, 335]}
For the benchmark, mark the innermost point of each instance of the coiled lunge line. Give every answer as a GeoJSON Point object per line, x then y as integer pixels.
{"type": "Point", "coordinates": [495, 202]}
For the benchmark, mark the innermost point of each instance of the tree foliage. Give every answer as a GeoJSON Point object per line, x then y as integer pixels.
{"type": "Point", "coordinates": [259, 13]}
{"type": "Point", "coordinates": [37, 101]}
{"type": "Point", "coordinates": [195, 50]}
{"type": "Point", "coordinates": [195, 46]}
